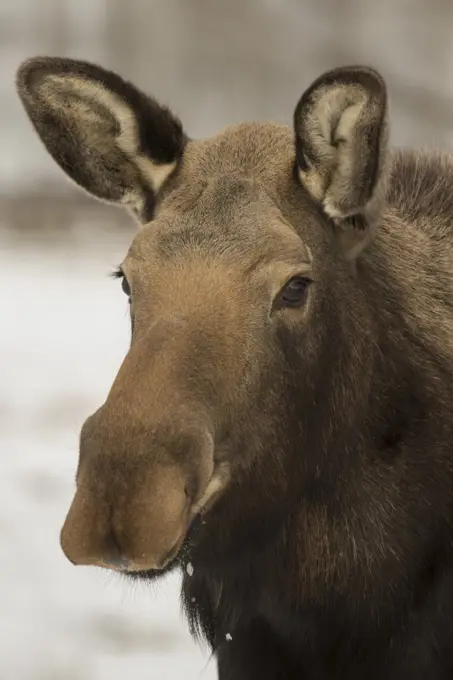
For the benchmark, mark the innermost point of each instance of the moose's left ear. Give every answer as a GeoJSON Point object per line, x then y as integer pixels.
{"type": "Point", "coordinates": [341, 146]}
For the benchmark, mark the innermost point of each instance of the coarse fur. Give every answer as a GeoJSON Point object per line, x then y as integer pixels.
{"type": "Point", "coordinates": [300, 459]}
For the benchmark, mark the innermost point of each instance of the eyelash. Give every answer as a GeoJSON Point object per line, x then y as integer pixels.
{"type": "Point", "coordinates": [119, 274]}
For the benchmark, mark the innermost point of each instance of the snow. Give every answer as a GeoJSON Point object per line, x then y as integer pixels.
{"type": "Point", "coordinates": [189, 569]}
{"type": "Point", "coordinates": [64, 332]}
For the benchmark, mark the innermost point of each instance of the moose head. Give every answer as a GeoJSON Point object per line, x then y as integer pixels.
{"type": "Point", "coordinates": [245, 354]}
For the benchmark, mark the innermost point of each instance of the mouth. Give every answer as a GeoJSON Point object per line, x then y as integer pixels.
{"type": "Point", "coordinates": [180, 552]}
{"type": "Point", "coordinates": [178, 555]}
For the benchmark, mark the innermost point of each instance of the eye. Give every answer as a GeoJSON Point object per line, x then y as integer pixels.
{"type": "Point", "coordinates": [126, 288]}
{"type": "Point", "coordinates": [118, 273]}
{"type": "Point", "coordinates": [293, 293]}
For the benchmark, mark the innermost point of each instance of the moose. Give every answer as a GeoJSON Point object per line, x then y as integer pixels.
{"type": "Point", "coordinates": [281, 428]}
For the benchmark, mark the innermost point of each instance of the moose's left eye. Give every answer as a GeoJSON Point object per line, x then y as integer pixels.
{"type": "Point", "coordinates": [125, 286]}
{"type": "Point", "coordinates": [293, 293]}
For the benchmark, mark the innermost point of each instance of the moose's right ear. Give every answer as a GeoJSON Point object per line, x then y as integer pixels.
{"type": "Point", "coordinates": [109, 137]}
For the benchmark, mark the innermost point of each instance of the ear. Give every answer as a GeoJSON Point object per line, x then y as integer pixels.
{"type": "Point", "coordinates": [341, 147]}
{"type": "Point", "coordinates": [107, 136]}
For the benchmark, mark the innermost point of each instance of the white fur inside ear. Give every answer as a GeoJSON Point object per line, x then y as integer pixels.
{"type": "Point", "coordinates": [344, 135]}
{"type": "Point", "coordinates": [313, 182]}
{"type": "Point", "coordinates": [127, 140]}
{"type": "Point", "coordinates": [134, 203]}
{"type": "Point", "coordinates": [337, 110]}
{"type": "Point", "coordinates": [332, 123]}
{"type": "Point", "coordinates": [348, 122]}
{"type": "Point", "coordinates": [331, 209]}
{"type": "Point", "coordinates": [156, 174]}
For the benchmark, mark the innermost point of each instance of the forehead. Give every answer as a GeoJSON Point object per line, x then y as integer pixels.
{"type": "Point", "coordinates": [258, 150]}
{"type": "Point", "coordinates": [228, 199]}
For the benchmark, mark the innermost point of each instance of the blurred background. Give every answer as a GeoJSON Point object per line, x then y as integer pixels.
{"type": "Point", "coordinates": [64, 324]}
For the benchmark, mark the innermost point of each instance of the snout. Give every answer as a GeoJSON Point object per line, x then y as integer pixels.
{"type": "Point", "coordinates": [132, 509]}
{"type": "Point", "coordinates": [132, 529]}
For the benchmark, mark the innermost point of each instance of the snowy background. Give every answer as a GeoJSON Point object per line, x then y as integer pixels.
{"type": "Point", "coordinates": [64, 332]}
{"type": "Point", "coordinates": [63, 323]}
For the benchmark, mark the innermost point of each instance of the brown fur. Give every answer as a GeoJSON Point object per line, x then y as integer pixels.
{"type": "Point", "coordinates": [300, 458]}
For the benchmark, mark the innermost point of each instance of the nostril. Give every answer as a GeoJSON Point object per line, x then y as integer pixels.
{"type": "Point", "coordinates": [189, 492]}
{"type": "Point", "coordinates": [114, 555]}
